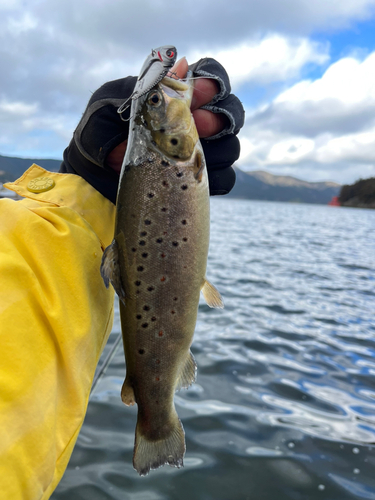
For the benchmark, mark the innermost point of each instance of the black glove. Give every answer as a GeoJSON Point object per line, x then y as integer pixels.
{"type": "Point", "coordinates": [222, 149]}
{"type": "Point", "coordinates": [101, 129]}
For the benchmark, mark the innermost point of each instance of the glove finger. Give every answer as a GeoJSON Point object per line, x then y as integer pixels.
{"type": "Point", "coordinates": [222, 181]}
{"type": "Point", "coordinates": [220, 155]}
{"type": "Point", "coordinates": [232, 108]}
{"type": "Point", "coordinates": [222, 152]}
{"type": "Point", "coordinates": [210, 68]}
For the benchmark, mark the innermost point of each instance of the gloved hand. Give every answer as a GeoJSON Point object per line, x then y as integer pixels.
{"type": "Point", "coordinates": [99, 141]}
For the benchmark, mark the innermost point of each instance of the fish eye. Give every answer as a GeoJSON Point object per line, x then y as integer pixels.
{"type": "Point", "coordinates": [170, 53]}
{"type": "Point", "coordinates": [154, 99]}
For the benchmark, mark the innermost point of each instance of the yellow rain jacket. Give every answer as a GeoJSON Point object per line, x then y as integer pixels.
{"type": "Point", "coordinates": [55, 318]}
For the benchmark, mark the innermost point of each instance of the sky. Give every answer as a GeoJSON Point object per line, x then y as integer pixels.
{"type": "Point", "coordinates": [304, 71]}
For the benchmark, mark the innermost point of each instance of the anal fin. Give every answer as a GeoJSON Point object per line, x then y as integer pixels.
{"type": "Point", "coordinates": [187, 374]}
{"type": "Point", "coordinates": [109, 269]}
{"type": "Point", "coordinates": [127, 393]}
{"type": "Point", "coordinates": [211, 295]}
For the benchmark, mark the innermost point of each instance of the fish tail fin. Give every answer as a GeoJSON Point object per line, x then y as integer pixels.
{"type": "Point", "coordinates": [152, 454]}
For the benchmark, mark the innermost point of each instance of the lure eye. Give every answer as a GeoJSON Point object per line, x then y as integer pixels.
{"type": "Point", "coordinates": [154, 99]}
{"type": "Point", "coordinates": [170, 53]}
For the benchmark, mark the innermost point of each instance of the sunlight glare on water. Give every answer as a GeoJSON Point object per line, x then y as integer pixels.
{"type": "Point", "coordinates": [284, 404]}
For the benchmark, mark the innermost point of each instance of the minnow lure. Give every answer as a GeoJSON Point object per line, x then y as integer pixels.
{"type": "Point", "coordinates": [154, 69]}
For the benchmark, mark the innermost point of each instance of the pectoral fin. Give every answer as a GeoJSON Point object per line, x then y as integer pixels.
{"type": "Point", "coordinates": [211, 295]}
{"type": "Point", "coordinates": [110, 271]}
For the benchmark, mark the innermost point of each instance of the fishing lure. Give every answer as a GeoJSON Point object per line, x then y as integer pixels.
{"type": "Point", "coordinates": [154, 69]}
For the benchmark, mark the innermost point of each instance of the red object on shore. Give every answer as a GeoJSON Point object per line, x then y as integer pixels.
{"type": "Point", "coordinates": [334, 202]}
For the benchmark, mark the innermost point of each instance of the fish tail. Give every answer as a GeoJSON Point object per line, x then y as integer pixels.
{"type": "Point", "coordinates": [152, 454]}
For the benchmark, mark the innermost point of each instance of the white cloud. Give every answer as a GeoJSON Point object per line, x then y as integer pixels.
{"type": "Point", "coordinates": [57, 53]}
{"type": "Point", "coordinates": [291, 150]}
{"type": "Point", "coordinates": [319, 125]}
{"type": "Point", "coordinates": [21, 24]}
{"type": "Point", "coordinates": [348, 80]}
{"type": "Point", "coordinates": [273, 58]}
{"type": "Point", "coordinates": [16, 108]}
{"type": "Point", "coordinates": [355, 148]}
{"type": "Point", "coordinates": [9, 4]}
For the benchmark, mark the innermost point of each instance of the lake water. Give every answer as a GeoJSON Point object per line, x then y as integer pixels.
{"type": "Point", "coordinates": [284, 404]}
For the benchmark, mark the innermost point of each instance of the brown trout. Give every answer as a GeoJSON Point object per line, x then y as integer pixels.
{"type": "Point", "coordinates": [157, 264]}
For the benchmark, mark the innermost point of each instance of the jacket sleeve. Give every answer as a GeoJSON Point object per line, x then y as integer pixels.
{"type": "Point", "coordinates": [55, 318]}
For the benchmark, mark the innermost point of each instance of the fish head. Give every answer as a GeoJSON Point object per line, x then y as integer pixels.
{"type": "Point", "coordinates": [167, 116]}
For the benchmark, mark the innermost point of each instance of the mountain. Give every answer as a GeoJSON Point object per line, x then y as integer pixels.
{"type": "Point", "coordinates": [361, 194]}
{"type": "Point", "coordinates": [260, 185]}
{"type": "Point", "coordinates": [11, 168]}
{"type": "Point", "coordinates": [255, 185]}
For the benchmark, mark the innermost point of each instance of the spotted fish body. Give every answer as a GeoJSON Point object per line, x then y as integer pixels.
{"type": "Point", "coordinates": [157, 265]}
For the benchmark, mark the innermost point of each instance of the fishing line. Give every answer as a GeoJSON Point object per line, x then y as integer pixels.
{"type": "Point", "coordinates": [106, 362]}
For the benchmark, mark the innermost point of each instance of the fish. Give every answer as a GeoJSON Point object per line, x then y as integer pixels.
{"type": "Point", "coordinates": [157, 264]}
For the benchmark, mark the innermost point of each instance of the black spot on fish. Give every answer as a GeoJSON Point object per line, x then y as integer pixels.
{"type": "Point", "coordinates": [173, 312]}
{"type": "Point", "coordinates": [143, 233]}
{"type": "Point", "coordinates": [162, 255]}
{"type": "Point", "coordinates": [164, 209]}
{"type": "Point", "coordinates": [139, 316]}
{"type": "Point", "coordinates": [147, 222]}
{"type": "Point", "coordinates": [184, 187]}
{"type": "Point", "coordinates": [162, 130]}
{"type": "Point", "coordinates": [153, 318]}
{"type": "Point", "coordinates": [165, 184]}
{"type": "Point", "coordinates": [151, 195]}
{"type": "Point", "coordinates": [179, 174]}
{"type": "Point", "coordinates": [146, 308]}
{"type": "Point", "coordinates": [142, 243]}
{"type": "Point", "coordinates": [184, 222]}
{"type": "Point", "coordinates": [184, 239]}
{"type": "Point", "coordinates": [141, 351]}
{"type": "Point", "coordinates": [175, 298]}
{"type": "Point", "coordinates": [140, 268]}
{"type": "Point", "coordinates": [159, 240]}
{"type": "Point", "coordinates": [134, 249]}
{"type": "Point", "coordinates": [150, 288]}
{"type": "Point", "coordinates": [137, 283]}
{"type": "Point", "coordinates": [174, 141]}
{"type": "Point", "coordinates": [164, 163]}
{"type": "Point", "coordinates": [144, 325]}
{"type": "Point", "coordinates": [144, 255]}
{"type": "Point", "coordinates": [175, 243]}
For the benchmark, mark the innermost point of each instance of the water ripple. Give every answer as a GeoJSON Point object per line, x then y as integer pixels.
{"type": "Point", "coordinates": [285, 387]}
